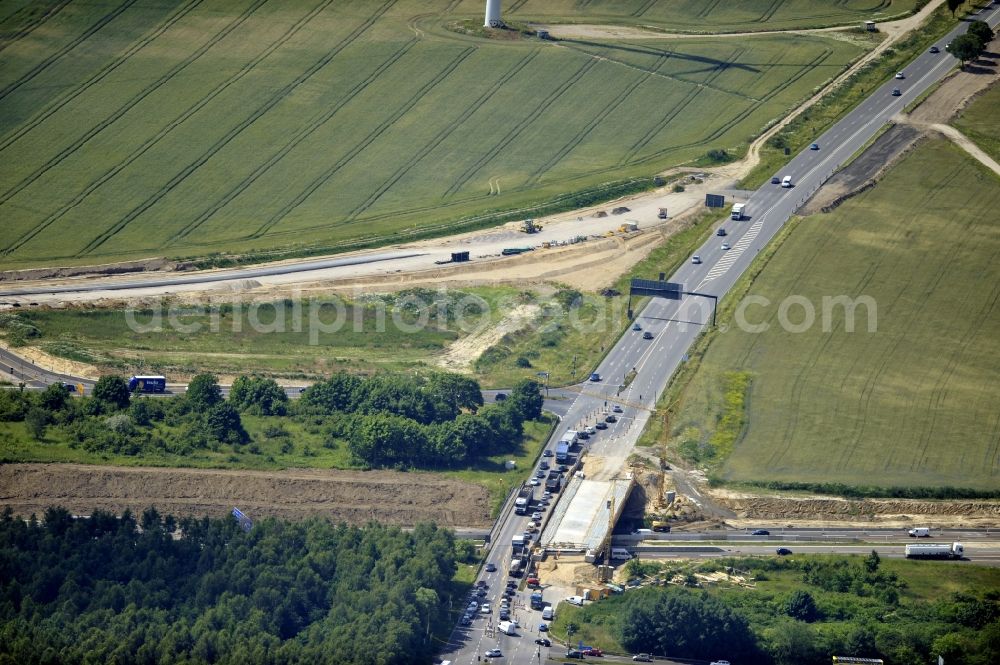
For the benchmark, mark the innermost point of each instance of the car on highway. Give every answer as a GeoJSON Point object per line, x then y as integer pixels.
{"type": "Point", "coordinates": [582, 435]}
{"type": "Point", "coordinates": [647, 335]}
{"type": "Point", "coordinates": [543, 628]}
{"type": "Point", "coordinates": [511, 584]}
{"type": "Point", "coordinates": [546, 495]}
{"type": "Point", "coordinates": [610, 418]}
{"type": "Point", "coordinates": [535, 482]}
{"type": "Point", "coordinates": [544, 465]}
{"type": "Point", "coordinates": [473, 606]}
{"type": "Point", "coordinates": [814, 146]}
{"type": "Point", "coordinates": [573, 653]}
{"type": "Point", "coordinates": [532, 581]}
{"type": "Point", "coordinates": [491, 568]}
{"type": "Point", "coordinates": [720, 232]}
{"type": "Point", "coordinates": [642, 658]}
{"type": "Point", "coordinates": [536, 516]}
{"type": "Point", "coordinates": [547, 453]}
{"type": "Point", "coordinates": [485, 609]}
{"type": "Point", "coordinates": [935, 49]}
{"type": "Point", "coordinates": [696, 259]}
{"type": "Point", "coordinates": [896, 92]}
{"type": "Point", "coordinates": [500, 397]}
{"type": "Point", "coordinates": [760, 532]}
{"type": "Point", "coordinates": [786, 182]}
{"type": "Point", "coordinates": [539, 474]}
{"type": "Point", "coordinates": [783, 551]}
{"type": "Point", "coordinates": [725, 246]}
{"type": "Point", "coordinates": [636, 326]}
{"type": "Point", "coordinates": [900, 76]}
{"type": "Point", "coordinates": [494, 653]}
{"type": "Point", "coordinates": [481, 593]}
{"type": "Point", "coordinates": [544, 641]}
{"type": "Point", "coordinates": [563, 468]}
{"type": "Point", "coordinates": [601, 425]}
{"type": "Point", "coordinates": [775, 180]}
{"type": "Point", "coordinates": [616, 408]}
{"type": "Point", "coordinates": [595, 377]}
{"type": "Point", "coordinates": [592, 651]}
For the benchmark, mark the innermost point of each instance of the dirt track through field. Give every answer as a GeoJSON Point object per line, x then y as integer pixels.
{"type": "Point", "coordinates": [342, 496]}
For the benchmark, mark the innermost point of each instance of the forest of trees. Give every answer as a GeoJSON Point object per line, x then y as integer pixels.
{"type": "Point", "coordinates": [432, 421]}
{"type": "Point", "coordinates": [116, 589]}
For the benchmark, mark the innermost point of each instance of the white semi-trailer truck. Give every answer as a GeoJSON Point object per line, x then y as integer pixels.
{"type": "Point", "coordinates": [935, 551]}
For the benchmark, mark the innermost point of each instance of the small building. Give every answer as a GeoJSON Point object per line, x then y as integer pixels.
{"type": "Point", "coordinates": [870, 26]}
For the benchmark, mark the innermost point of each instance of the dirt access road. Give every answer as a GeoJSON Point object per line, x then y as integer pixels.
{"type": "Point", "coordinates": [355, 497]}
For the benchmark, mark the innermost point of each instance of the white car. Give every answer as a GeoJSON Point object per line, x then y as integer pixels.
{"type": "Point", "coordinates": [696, 259]}
{"type": "Point", "coordinates": [725, 246]}
{"type": "Point", "coordinates": [485, 609]}
{"type": "Point", "coordinates": [900, 75]}
{"type": "Point", "coordinates": [494, 653]}
{"type": "Point", "coordinates": [590, 429]}
{"type": "Point", "coordinates": [534, 482]}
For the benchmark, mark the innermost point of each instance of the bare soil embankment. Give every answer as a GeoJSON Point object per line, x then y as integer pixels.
{"type": "Point", "coordinates": [342, 496]}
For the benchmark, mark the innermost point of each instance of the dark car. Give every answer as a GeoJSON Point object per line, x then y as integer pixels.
{"type": "Point", "coordinates": [720, 232]}
{"type": "Point", "coordinates": [935, 49]}
{"type": "Point", "coordinates": [504, 615]}
{"type": "Point", "coordinates": [500, 397]}
{"type": "Point", "coordinates": [760, 532]}
{"type": "Point", "coordinates": [543, 628]}
{"type": "Point", "coordinates": [617, 408]}
{"type": "Point", "coordinates": [575, 654]}
{"type": "Point", "coordinates": [582, 435]}
{"type": "Point", "coordinates": [511, 584]}
{"type": "Point", "coordinates": [601, 425]}
{"type": "Point", "coordinates": [544, 641]}
{"type": "Point", "coordinates": [783, 551]}
{"type": "Point", "coordinates": [563, 468]}
{"type": "Point", "coordinates": [775, 180]}
{"type": "Point", "coordinates": [69, 387]}
{"type": "Point", "coordinates": [896, 92]}
{"type": "Point", "coordinates": [547, 453]}
{"type": "Point", "coordinates": [544, 465]}
{"type": "Point", "coordinates": [540, 474]}
{"type": "Point", "coordinates": [814, 146]}
{"type": "Point", "coordinates": [610, 418]}
{"type": "Point", "coordinates": [491, 568]}
{"type": "Point", "coordinates": [647, 335]}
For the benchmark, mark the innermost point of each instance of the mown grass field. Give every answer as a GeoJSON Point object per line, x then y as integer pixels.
{"type": "Point", "coordinates": [980, 123]}
{"type": "Point", "coordinates": [131, 129]}
{"type": "Point", "coordinates": [911, 404]}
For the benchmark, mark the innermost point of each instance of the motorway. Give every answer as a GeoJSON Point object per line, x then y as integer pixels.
{"type": "Point", "coordinates": [676, 324]}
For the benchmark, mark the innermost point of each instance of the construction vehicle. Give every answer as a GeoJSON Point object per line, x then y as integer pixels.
{"type": "Point", "coordinates": [524, 498]}
{"type": "Point", "coordinates": [512, 251]}
{"type": "Point", "coordinates": [627, 227]}
{"type": "Point", "coordinates": [662, 214]}
{"type": "Point", "coordinates": [529, 226]}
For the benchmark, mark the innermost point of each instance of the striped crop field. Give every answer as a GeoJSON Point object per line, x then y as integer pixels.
{"type": "Point", "coordinates": [707, 16]}
{"type": "Point", "coordinates": [912, 403]}
{"type": "Point", "coordinates": [133, 128]}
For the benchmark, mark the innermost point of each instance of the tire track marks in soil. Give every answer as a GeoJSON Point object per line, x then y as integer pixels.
{"type": "Point", "coordinates": [145, 92]}
{"type": "Point", "coordinates": [301, 135]}
{"type": "Point", "coordinates": [30, 26]}
{"type": "Point", "coordinates": [442, 135]}
{"type": "Point", "coordinates": [122, 110]}
{"type": "Point", "coordinates": [318, 182]}
{"type": "Point", "coordinates": [515, 131]}
{"type": "Point", "coordinates": [642, 9]}
{"type": "Point", "coordinates": [57, 104]}
{"type": "Point", "coordinates": [87, 34]}
{"type": "Point", "coordinates": [235, 131]}
{"type": "Point", "coordinates": [595, 121]}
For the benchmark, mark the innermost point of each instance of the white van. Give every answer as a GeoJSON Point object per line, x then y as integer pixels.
{"type": "Point", "coordinates": [620, 554]}
{"type": "Point", "coordinates": [547, 613]}
{"type": "Point", "coordinates": [786, 181]}
{"type": "Point", "coordinates": [920, 532]}
{"type": "Point", "coordinates": [506, 627]}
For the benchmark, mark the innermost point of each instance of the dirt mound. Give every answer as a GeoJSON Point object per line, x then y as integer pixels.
{"type": "Point", "coordinates": [349, 496]}
{"type": "Point", "coordinates": [885, 512]}
{"type": "Point", "coordinates": [125, 267]}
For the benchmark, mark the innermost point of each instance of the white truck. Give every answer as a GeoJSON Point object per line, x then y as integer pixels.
{"type": "Point", "coordinates": [935, 551]}
{"type": "Point", "coordinates": [737, 212]}
{"type": "Point", "coordinates": [524, 498]}
{"type": "Point", "coordinates": [507, 627]}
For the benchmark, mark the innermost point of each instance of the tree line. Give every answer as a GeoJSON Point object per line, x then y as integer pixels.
{"type": "Point", "coordinates": [154, 589]}
{"type": "Point", "coordinates": [433, 421]}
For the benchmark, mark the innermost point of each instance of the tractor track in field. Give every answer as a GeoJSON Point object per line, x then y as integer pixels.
{"type": "Point", "coordinates": [373, 136]}
{"type": "Point", "coordinates": [300, 136]}
{"type": "Point", "coordinates": [60, 102]}
{"type": "Point", "coordinates": [122, 110]}
{"type": "Point", "coordinates": [543, 104]}
{"type": "Point", "coordinates": [30, 27]}
{"type": "Point", "coordinates": [87, 34]}
{"type": "Point", "coordinates": [443, 134]}
{"type": "Point", "coordinates": [232, 133]}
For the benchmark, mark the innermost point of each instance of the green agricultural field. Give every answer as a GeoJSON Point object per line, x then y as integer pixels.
{"type": "Point", "coordinates": [185, 129]}
{"type": "Point", "coordinates": [980, 123]}
{"type": "Point", "coordinates": [913, 403]}
{"type": "Point", "coordinates": [704, 15]}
